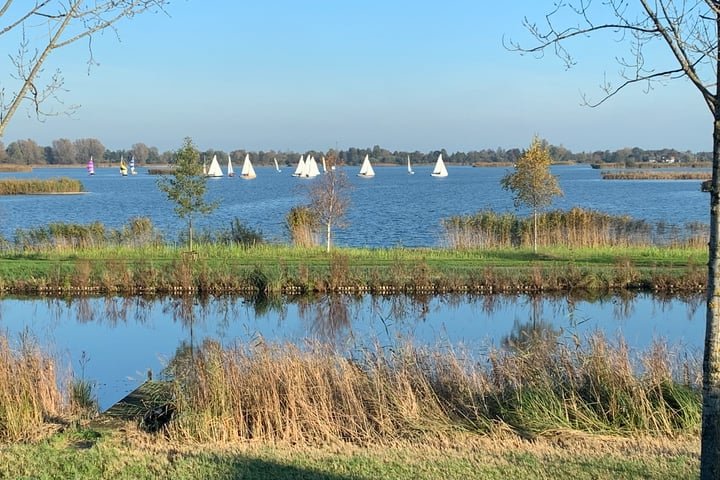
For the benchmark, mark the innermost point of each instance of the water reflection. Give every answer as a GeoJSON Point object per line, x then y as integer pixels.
{"type": "Point", "coordinates": [127, 336]}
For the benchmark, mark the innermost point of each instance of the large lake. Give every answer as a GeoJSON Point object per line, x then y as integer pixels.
{"type": "Point", "coordinates": [391, 209]}
{"type": "Point", "coordinates": [121, 338]}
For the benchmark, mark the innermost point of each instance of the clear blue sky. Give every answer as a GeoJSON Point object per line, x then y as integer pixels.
{"type": "Point", "coordinates": [319, 74]}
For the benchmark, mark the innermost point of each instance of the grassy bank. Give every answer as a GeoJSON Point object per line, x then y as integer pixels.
{"type": "Point", "coordinates": [82, 454]}
{"type": "Point", "coordinates": [275, 269]}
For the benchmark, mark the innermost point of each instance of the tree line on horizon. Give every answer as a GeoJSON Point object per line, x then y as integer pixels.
{"type": "Point", "coordinates": [67, 152]}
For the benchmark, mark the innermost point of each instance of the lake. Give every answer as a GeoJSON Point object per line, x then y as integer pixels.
{"type": "Point", "coordinates": [120, 339]}
{"type": "Point", "coordinates": [392, 209]}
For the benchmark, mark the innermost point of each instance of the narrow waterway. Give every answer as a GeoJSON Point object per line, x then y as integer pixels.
{"type": "Point", "coordinates": [114, 341]}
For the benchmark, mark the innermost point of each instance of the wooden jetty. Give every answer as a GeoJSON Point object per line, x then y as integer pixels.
{"type": "Point", "coordinates": [151, 404]}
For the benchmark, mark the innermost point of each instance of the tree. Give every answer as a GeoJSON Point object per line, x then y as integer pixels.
{"type": "Point", "coordinates": [683, 38]}
{"type": "Point", "coordinates": [187, 186]}
{"type": "Point", "coordinates": [25, 152]}
{"type": "Point", "coordinates": [141, 152]}
{"type": "Point", "coordinates": [531, 183]}
{"type": "Point", "coordinates": [39, 28]}
{"type": "Point", "coordinates": [328, 198]}
{"type": "Point", "coordinates": [63, 151]}
{"type": "Point", "coordinates": [88, 147]}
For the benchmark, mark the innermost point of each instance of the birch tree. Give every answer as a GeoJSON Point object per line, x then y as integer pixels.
{"type": "Point", "coordinates": [531, 183]}
{"type": "Point", "coordinates": [40, 27]}
{"type": "Point", "coordinates": [657, 41]}
{"type": "Point", "coordinates": [329, 199]}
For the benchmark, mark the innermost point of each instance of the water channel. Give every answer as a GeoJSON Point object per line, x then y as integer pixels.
{"type": "Point", "coordinates": [114, 341]}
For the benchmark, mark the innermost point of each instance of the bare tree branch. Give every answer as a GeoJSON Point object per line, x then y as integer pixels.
{"type": "Point", "coordinates": [682, 26]}
{"type": "Point", "coordinates": [61, 23]}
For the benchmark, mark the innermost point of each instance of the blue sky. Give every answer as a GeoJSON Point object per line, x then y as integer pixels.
{"type": "Point", "coordinates": [320, 74]}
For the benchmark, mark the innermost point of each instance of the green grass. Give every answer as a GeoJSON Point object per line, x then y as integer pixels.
{"type": "Point", "coordinates": [80, 454]}
{"type": "Point", "coordinates": [285, 269]}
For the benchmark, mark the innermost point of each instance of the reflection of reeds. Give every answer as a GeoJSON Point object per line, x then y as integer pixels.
{"type": "Point", "coordinates": [283, 392]}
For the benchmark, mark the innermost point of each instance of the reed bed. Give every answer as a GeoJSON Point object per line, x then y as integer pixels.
{"type": "Point", "coordinates": [7, 167]}
{"type": "Point", "coordinates": [14, 186]}
{"type": "Point", "coordinates": [537, 384]}
{"type": "Point", "coordinates": [29, 394]}
{"type": "Point", "coordinates": [572, 228]}
{"type": "Point", "coordinates": [656, 175]}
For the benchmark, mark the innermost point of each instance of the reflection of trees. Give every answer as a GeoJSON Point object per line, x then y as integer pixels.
{"type": "Point", "coordinates": [533, 334]}
{"type": "Point", "coordinates": [329, 316]}
{"type": "Point", "coordinates": [263, 304]}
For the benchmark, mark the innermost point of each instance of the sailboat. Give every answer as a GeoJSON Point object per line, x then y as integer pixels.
{"type": "Point", "coordinates": [324, 165]}
{"type": "Point", "coordinates": [439, 170]}
{"type": "Point", "coordinates": [231, 172]}
{"type": "Point", "coordinates": [410, 170]}
{"type": "Point", "coordinates": [311, 169]}
{"type": "Point", "coordinates": [366, 170]}
{"type": "Point", "coordinates": [91, 166]}
{"type": "Point", "coordinates": [132, 165]}
{"type": "Point", "coordinates": [248, 171]}
{"type": "Point", "coordinates": [123, 167]}
{"type": "Point", "coordinates": [277, 167]}
{"type": "Point", "coordinates": [214, 171]}
{"type": "Point", "coordinates": [300, 167]}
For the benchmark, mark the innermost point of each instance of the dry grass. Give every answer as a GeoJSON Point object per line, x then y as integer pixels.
{"type": "Point", "coordinates": [576, 228]}
{"type": "Point", "coordinates": [536, 384]}
{"type": "Point", "coordinates": [29, 395]}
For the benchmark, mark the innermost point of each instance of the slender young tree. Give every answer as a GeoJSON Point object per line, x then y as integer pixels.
{"type": "Point", "coordinates": [39, 28]}
{"type": "Point", "coordinates": [329, 199]}
{"type": "Point", "coordinates": [682, 40]}
{"type": "Point", "coordinates": [531, 183]}
{"type": "Point", "coordinates": [187, 187]}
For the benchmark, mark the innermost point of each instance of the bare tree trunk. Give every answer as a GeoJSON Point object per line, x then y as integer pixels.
{"type": "Point", "coordinates": [535, 220]}
{"type": "Point", "coordinates": [190, 228]}
{"type": "Point", "coordinates": [710, 442]}
{"type": "Point", "coordinates": [328, 237]}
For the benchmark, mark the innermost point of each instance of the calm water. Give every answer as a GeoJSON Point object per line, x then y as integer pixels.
{"type": "Point", "coordinates": [121, 338]}
{"type": "Point", "coordinates": [391, 209]}
{"type": "Point", "coordinates": [124, 337]}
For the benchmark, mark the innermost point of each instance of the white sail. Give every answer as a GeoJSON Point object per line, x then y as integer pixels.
{"type": "Point", "coordinates": [277, 167]}
{"type": "Point", "coordinates": [324, 165]}
{"type": "Point", "coordinates": [366, 170]}
{"type": "Point", "coordinates": [231, 172]}
{"type": "Point", "coordinates": [439, 170]}
{"type": "Point", "coordinates": [410, 170]}
{"type": "Point", "coordinates": [247, 169]}
{"type": "Point", "coordinates": [300, 167]}
{"type": "Point", "coordinates": [214, 170]}
{"type": "Point", "coordinates": [311, 169]}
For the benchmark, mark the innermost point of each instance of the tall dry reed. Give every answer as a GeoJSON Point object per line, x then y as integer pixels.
{"type": "Point", "coordinates": [573, 228]}
{"type": "Point", "coordinates": [29, 394]}
{"type": "Point", "coordinates": [535, 384]}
